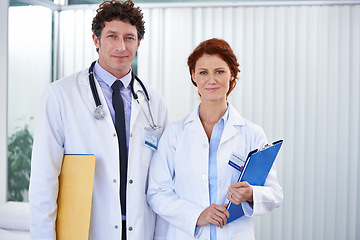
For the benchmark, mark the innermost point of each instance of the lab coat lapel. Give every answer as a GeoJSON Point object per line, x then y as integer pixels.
{"type": "Point", "coordinates": [230, 129]}
{"type": "Point", "coordinates": [85, 89]}
{"type": "Point", "coordinates": [135, 108]}
{"type": "Point", "coordinates": [194, 122]}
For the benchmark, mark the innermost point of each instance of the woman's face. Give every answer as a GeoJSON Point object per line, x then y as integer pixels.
{"type": "Point", "coordinates": [212, 76]}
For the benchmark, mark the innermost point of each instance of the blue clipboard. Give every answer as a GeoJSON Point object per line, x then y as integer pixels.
{"type": "Point", "coordinates": [256, 169]}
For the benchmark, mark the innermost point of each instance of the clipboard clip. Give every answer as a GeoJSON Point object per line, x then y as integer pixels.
{"type": "Point", "coordinates": [270, 145]}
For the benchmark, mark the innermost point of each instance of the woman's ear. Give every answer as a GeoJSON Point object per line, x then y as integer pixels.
{"type": "Point", "coordinates": [193, 78]}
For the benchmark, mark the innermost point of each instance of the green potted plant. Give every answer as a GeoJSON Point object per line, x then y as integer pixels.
{"type": "Point", "coordinates": [19, 156]}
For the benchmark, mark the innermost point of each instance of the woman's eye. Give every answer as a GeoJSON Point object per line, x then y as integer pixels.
{"type": "Point", "coordinates": [220, 71]}
{"type": "Point", "coordinates": [203, 72]}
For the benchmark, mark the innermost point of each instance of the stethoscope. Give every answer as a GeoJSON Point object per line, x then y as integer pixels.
{"type": "Point", "coordinates": [99, 112]}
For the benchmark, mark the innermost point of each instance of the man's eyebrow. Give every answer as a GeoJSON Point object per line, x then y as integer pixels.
{"type": "Point", "coordinates": [110, 31]}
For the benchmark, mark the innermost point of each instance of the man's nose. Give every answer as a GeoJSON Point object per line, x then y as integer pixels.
{"type": "Point", "coordinates": [120, 45]}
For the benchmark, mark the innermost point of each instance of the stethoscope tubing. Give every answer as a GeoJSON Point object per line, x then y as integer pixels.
{"type": "Point", "coordinates": [99, 112]}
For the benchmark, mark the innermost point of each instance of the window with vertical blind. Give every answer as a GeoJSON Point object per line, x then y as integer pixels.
{"type": "Point", "coordinates": [299, 79]}
{"type": "Point", "coordinates": [29, 71]}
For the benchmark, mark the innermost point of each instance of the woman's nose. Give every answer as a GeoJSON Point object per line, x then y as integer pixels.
{"type": "Point", "coordinates": [212, 79]}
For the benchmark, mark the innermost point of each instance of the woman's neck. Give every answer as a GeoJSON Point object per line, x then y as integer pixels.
{"type": "Point", "coordinates": [212, 111]}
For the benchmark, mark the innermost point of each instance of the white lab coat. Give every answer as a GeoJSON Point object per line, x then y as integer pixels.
{"type": "Point", "coordinates": [178, 177]}
{"type": "Point", "coordinates": [66, 125]}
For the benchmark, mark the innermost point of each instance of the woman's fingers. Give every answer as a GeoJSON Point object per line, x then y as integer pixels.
{"type": "Point", "coordinates": [240, 192]}
{"type": "Point", "coordinates": [214, 214]}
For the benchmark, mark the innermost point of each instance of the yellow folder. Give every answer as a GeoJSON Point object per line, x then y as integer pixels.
{"type": "Point", "coordinates": [76, 182]}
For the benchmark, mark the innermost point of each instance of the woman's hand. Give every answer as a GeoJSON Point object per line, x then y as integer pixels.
{"type": "Point", "coordinates": [214, 214]}
{"type": "Point", "coordinates": [240, 192]}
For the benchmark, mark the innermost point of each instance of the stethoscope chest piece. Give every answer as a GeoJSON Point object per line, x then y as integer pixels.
{"type": "Point", "coordinates": [99, 113]}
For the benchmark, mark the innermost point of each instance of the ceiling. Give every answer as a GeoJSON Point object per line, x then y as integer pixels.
{"type": "Point", "coordinates": [79, 2]}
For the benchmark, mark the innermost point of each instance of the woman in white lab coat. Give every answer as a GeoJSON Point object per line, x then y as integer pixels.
{"type": "Point", "coordinates": [190, 180]}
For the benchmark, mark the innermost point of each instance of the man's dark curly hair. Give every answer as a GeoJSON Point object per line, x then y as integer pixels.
{"type": "Point", "coordinates": [118, 10]}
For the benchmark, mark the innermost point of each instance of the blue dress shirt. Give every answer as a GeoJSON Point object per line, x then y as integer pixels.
{"type": "Point", "coordinates": [105, 80]}
{"type": "Point", "coordinates": [213, 149]}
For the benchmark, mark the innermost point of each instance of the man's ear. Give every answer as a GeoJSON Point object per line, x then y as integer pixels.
{"type": "Point", "coordinates": [96, 40]}
{"type": "Point", "coordinates": [139, 44]}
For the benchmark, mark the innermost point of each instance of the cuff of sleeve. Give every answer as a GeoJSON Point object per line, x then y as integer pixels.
{"type": "Point", "coordinates": [198, 231]}
{"type": "Point", "coordinates": [248, 209]}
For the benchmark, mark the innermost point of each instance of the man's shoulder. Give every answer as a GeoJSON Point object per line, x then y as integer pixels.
{"type": "Point", "coordinates": [154, 95]}
{"type": "Point", "coordinates": [151, 90]}
{"type": "Point", "coordinates": [67, 86]}
{"type": "Point", "coordinates": [70, 82]}
{"type": "Point", "coordinates": [72, 78]}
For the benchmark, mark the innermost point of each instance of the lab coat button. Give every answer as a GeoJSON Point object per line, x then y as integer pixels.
{"type": "Point", "coordinates": [114, 180]}
{"type": "Point", "coordinates": [116, 227]}
{"type": "Point", "coordinates": [204, 177]}
{"type": "Point", "coordinates": [130, 228]}
{"type": "Point", "coordinates": [131, 181]}
{"type": "Point", "coordinates": [114, 135]}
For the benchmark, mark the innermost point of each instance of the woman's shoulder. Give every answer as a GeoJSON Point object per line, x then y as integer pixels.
{"type": "Point", "coordinates": [247, 124]}
{"type": "Point", "coordinates": [178, 125]}
{"type": "Point", "coordinates": [176, 129]}
{"type": "Point", "coordinates": [251, 125]}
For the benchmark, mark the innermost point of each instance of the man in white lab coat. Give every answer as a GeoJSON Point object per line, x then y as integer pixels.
{"type": "Point", "coordinates": [66, 125]}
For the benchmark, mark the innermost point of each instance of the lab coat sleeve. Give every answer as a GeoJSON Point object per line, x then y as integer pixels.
{"type": "Point", "coordinates": [47, 155]}
{"type": "Point", "coordinates": [163, 114]}
{"type": "Point", "coordinates": [161, 224]}
{"type": "Point", "coordinates": [161, 193]}
{"type": "Point", "coordinates": [269, 196]}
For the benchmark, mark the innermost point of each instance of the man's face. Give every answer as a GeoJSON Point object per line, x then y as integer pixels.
{"type": "Point", "coordinates": [117, 47]}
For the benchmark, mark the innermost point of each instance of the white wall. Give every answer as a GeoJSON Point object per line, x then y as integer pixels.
{"type": "Point", "coordinates": [3, 97]}
{"type": "Point", "coordinates": [76, 49]}
{"type": "Point", "coordinates": [30, 64]}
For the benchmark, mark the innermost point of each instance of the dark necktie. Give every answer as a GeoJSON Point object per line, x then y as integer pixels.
{"type": "Point", "coordinates": [121, 134]}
